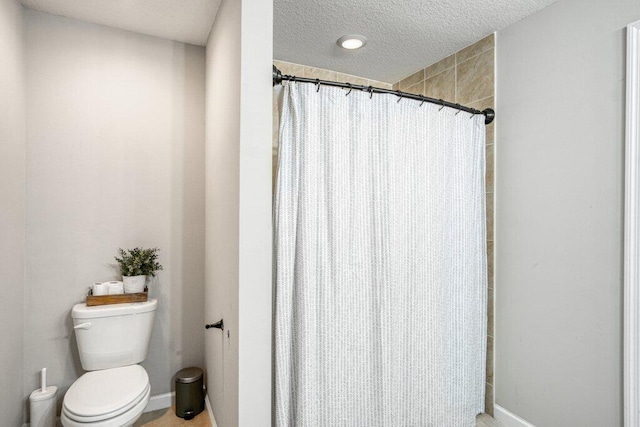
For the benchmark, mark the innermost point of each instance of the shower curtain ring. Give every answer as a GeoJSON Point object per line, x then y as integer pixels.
{"type": "Point", "coordinates": [350, 89]}
{"type": "Point", "coordinates": [399, 95]}
{"type": "Point", "coordinates": [370, 92]}
{"type": "Point", "coordinates": [441, 102]}
{"type": "Point", "coordinates": [472, 114]}
{"type": "Point", "coordinates": [423, 100]}
{"type": "Point", "coordinates": [317, 85]}
{"type": "Point", "coordinates": [459, 109]}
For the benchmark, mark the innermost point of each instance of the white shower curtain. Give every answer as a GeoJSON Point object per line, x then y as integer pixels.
{"type": "Point", "coordinates": [381, 274]}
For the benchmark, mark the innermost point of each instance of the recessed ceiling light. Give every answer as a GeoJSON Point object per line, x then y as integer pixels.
{"type": "Point", "coordinates": [352, 42]}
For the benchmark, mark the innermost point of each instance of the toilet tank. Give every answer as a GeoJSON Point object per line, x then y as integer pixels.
{"type": "Point", "coordinates": [110, 336]}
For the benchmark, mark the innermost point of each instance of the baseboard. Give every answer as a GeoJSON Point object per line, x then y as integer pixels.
{"type": "Point", "coordinates": [159, 401]}
{"type": "Point", "coordinates": [58, 423]}
{"type": "Point", "coordinates": [509, 419]}
{"type": "Point", "coordinates": [207, 404]}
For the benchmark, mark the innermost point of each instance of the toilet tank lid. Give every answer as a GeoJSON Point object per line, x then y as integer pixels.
{"type": "Point", "coordinates": [82, 311]}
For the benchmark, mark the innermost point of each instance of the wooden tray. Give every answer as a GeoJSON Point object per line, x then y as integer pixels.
{"type": "Point", "coordinates": [115, 299]}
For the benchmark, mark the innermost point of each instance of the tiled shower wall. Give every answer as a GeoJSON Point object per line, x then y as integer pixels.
{"type": "Point", "coordinates": [322, 74]}
{"type": "Point", "coordinates": [466, 77]}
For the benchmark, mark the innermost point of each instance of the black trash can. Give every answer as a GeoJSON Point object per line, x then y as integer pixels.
{"type": "Point", "coordinates": [189, 392]}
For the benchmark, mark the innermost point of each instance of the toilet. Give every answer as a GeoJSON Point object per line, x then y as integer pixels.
{"type": "Point", "coordinates": [112, 340]}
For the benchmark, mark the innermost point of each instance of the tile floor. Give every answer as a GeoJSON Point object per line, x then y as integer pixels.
{"type": "Point", "coordinates": [167, 418]}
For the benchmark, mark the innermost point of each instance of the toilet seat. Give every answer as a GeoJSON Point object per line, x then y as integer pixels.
{"type": "Point", "coordinates": [109, 397]}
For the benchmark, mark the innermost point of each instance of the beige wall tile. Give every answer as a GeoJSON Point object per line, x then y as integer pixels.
{"type": "Point", "coordinates": [491, 129]}
{"type": "Point", "coordinates": [490, 261]}
{"type": "Point", "coordinates": [417, 89]}
{"type": "Point", "coordinates": [414, 78]}
{"type": "Point", "coordinates": [490, 215]}
{"type": "Point", "coordinates": [488, 400]}
{"type": "Point", "coordinates": [477, 48]}
{"type": "Point", "coordinates": [289, 68]}
{"type": "Point", "coordinates": [489, 162]}
{"type": "Point", "coordinates": [396, 86]}
{"type": "Point", "coordinates": [490, 318]}
{"type": "Point", "coordinates": [475, 78]}
{"type": "Point", "coordinates": [442, 86]}
{"type": "Point", "coordinates": [323, 74]}
{"type": "Point", "coordinates": [274, 172]}
{"type": "Point", "coordinates": [490, 138]}
{"type": "Point", "coordinates": [319, 73]}
{"type": "Point", "coordinates": [490, 360]}
{"type": "Point", "coordinates": [440, 66]}
{"type": "Point", "coordinates": [383, 85]}
{"type": "Point", "coordinates": [483, 103]}
{"type": "Point", "coordinates": [490, 305]}
{"type": "Point", "coordinates": [354, 80]}
{"type": "Point", "coordinates": [276, 115]}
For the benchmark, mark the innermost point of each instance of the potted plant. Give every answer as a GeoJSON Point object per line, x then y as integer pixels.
{"type": "Point", "coordinates": [135, 265]}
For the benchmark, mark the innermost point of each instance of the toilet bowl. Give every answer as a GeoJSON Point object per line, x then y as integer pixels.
{"type": "Point", "coordinates": [108, 398]}
{"type": "Point", "coordinates": [111, 340]}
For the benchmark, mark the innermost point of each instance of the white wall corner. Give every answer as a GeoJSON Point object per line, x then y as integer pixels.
{"type": "Point", "coordinates": [509, 419]}
{"type": "Point", "coordinates": [632, 233]}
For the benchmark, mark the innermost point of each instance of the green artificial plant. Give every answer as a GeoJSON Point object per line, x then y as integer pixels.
{"type": "Point", "coordinates": [138, 262]}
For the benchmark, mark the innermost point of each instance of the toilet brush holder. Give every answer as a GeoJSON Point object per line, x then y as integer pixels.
{"type": "Point", "coordinates": [42, 405]}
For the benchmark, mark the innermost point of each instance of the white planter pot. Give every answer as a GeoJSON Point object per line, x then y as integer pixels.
{"type": "Point", "coordinates": [134, 284]}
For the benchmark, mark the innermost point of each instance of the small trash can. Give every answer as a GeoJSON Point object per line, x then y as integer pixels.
{"type": "Point", "coordinates": [189, 392]}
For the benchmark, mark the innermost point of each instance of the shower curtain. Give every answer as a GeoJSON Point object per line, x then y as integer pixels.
{"type": "Point", "coordinates": [381, 274]}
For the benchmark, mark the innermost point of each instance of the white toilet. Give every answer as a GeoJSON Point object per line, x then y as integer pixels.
{"type": "Point", "coordinates": [112, 339]}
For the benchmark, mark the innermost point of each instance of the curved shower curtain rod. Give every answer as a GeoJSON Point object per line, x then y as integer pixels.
{"type": "Point", "coordinates": [278, 77]}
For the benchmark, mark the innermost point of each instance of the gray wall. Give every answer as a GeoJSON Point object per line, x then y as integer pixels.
{"type": "Point", "coordinates": [238, 206]}
{"type": "Point", "coordinates": [12, 215]}
{"type": "Point", "coordinates": [559, 213]}
{"type": "Point", "coordinates": [115, 146]}
{"type": "Point", "coordinates": [222, 199]}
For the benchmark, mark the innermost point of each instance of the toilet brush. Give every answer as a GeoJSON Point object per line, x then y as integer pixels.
{"type": "Point", "coordinates": [43, 403]}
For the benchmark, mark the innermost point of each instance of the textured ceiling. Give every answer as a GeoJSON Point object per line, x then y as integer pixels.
{"type": "Point", "coordinates": [187, 21]}
{"type": "Point", "coordinates": [403, 35]}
